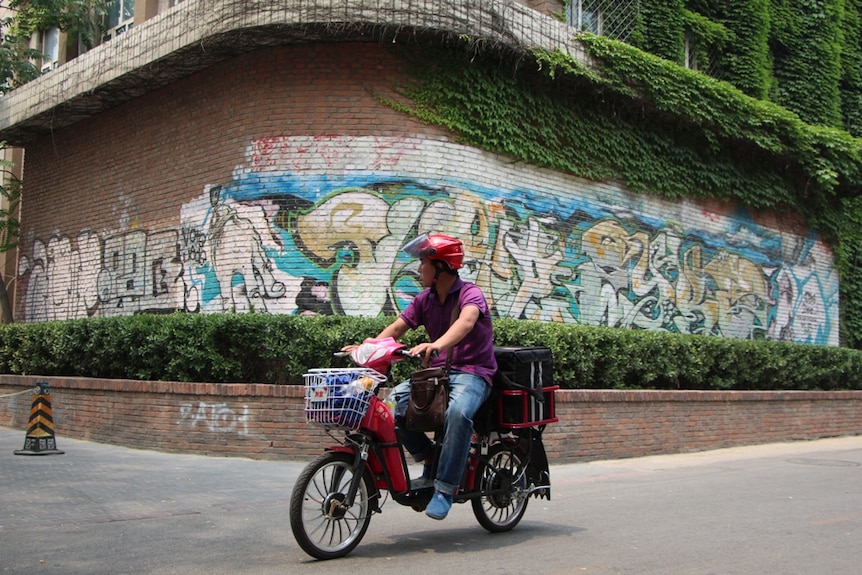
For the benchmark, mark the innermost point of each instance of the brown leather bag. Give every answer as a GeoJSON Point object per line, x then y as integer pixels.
{"type": "Point", "coordinates": [429, 392]}
{"type": "Point", "coordinates": [429, 398]}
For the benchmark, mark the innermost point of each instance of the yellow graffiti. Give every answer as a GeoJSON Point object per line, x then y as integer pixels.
{"type": "Point", "coordinates": [352, 218]}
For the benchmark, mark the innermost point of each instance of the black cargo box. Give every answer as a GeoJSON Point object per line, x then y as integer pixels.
{"type": "Point", "coordinates": [530, 368]}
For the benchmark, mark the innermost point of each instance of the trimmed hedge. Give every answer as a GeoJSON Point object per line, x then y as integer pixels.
{"type": "Point", "coordinates": [235, 348]}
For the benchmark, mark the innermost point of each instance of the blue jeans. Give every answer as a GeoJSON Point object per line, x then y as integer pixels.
{"type": "Point", "coordinates": [467, 393]}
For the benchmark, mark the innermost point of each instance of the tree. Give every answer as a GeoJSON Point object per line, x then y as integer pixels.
{"type": "Point", "coordinates": [16, 59]}
{"type": "Point", "coordinates": [10, 190]}
{"type": "Point", "coordinates": [19, 64]}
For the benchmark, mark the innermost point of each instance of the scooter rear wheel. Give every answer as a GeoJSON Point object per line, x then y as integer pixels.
{"type": "Point", "coordinates": [503, 482]}
{"type": "Point", "coordinates": [320, 525]}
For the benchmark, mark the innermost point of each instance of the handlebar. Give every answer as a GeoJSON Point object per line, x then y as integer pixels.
{"type": "Point", "coordinates": [401, 352]}
{"type": "Point", "coordinates": [379, 357]}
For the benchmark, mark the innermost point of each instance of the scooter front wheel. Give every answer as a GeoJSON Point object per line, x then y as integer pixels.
{"type": "Point", "coordinates": [322, 526]}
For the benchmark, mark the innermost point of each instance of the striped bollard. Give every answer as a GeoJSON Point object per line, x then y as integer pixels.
{"type": "Point", "coordinates": [40, 430]}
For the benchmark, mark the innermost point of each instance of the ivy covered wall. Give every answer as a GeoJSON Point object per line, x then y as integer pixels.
{"type": "Point", "coordinates": [805, 55]}
{"type": "Point", "coordinates": [655, 127]}
{"type": "Point", "coordinates": [684, 135]}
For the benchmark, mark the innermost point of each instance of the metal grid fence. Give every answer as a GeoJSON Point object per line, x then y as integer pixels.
{"type": "Point", "coordinates": [612, 18]}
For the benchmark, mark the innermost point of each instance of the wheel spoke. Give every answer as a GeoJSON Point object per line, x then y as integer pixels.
{"type": "Point", "coordinates": [502, 481]}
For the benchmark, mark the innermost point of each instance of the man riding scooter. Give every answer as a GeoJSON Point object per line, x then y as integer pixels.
{"type": "Point", "coordinates": [456, 317]}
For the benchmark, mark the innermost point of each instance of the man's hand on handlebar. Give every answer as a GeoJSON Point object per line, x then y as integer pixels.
{"type": "Point", "coordinates": [426, 351]}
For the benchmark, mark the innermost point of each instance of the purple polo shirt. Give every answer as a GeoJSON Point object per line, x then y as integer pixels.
{"type": "Point", "coordinates": [473, 354]}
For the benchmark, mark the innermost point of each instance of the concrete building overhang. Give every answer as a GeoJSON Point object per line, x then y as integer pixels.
{"type": "Point", "coordinates": [197, 34]}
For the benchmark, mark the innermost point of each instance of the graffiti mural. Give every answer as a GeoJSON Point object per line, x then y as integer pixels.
{"type": "Point", "coordinates": [316, 225]}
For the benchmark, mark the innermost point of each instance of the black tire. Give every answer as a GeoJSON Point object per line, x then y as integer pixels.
{"type": "Point", "coordinates": [320, 528]}
{"type": "Point", "coordinates": [503, 480]}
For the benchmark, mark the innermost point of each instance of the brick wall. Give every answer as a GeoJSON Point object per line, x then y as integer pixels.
{"type": "Point", "coordinates": [267, 422]}
{"type": "Point", "coordinates": [136, 164]}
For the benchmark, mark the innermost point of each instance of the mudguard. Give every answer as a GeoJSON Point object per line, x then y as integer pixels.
{"type": "Point", "coordinates": [538, 472]}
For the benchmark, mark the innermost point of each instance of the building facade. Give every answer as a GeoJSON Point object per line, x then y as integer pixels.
{"type": "Point", "coordinates": [246, 156]}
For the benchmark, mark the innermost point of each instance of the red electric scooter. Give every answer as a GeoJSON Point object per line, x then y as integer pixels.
{"type": "Point", "coordinates": [336, 495]}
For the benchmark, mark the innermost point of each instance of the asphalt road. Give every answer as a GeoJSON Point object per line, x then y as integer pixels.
{"type": "Point", "coordinates": [789, 509]}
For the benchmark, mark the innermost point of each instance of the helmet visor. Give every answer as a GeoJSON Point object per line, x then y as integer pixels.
{"type": "Point", "coordinates": [418, 247]}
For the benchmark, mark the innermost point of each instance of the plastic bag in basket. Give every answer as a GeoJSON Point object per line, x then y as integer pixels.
{"type": "Point", "coordinates": [339, 399]}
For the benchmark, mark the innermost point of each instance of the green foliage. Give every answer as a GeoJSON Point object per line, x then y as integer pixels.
{"type": "Point", "coordinates": [744, 59]}
{"type": "Point", "coordinates": [825, 162]}
{"type": "Point", "coordinates": [807, 39]}
{"type": "Point", "coordinates": [652, 125]}
{"type": "Point", "coordinates": [261, 348]}
{"type": "Point", "coordinates": [851, 60]}
{"type": "Point", "coordinates": [711, 34]}
{"type": "Point", "coordinates": [641, 120]}
{"type": "Point", "coordinates": [19, 64]}
{"type": "Point", "coordinates": [606, 358]}
{"type": "Point", "coordinates": [181, 347]}
{"type": "Point", "coordinates": [663, 29]}
{"type": "Point", "coordinates": [11, 193]}
{"type": "Point", "coordinates": [801, 54]}
{"type": "Point", "coordinates": [16, 59]}
{"type": "Point", "coordinates": [848, 255]}
{"type": "Point", "coordinates": [81, 19]}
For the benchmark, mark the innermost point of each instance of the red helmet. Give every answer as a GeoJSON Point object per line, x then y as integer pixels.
{"type": "Point", "coordinates": [437, 247]}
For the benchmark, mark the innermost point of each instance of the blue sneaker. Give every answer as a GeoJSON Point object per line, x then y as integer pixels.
{"type": "Point", "coordinates": [439, 506]}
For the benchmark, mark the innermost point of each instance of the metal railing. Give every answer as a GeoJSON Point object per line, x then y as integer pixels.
{"type": "Point", "coordinates": [612, 18]}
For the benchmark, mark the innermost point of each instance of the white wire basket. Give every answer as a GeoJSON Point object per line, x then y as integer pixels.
{"type": "Point", "coordinates": [339, 397]}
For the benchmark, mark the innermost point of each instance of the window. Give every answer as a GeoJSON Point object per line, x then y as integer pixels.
{"type": "Point", "coordinates": [585, 15]}
{"type": "Point", "coordinates": [49, 45]}
{"type": "Point", "coordinates": [690, 52]}
{"type": "Point", "coordinates": [700, 56]}
{"type": "Point", "coordinates": [119, 18]}
{"type": "Point", "coordinates": [615, 19]}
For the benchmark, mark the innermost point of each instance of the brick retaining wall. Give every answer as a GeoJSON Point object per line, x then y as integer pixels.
{"type": "Point", "coordinates": [267, 421]}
